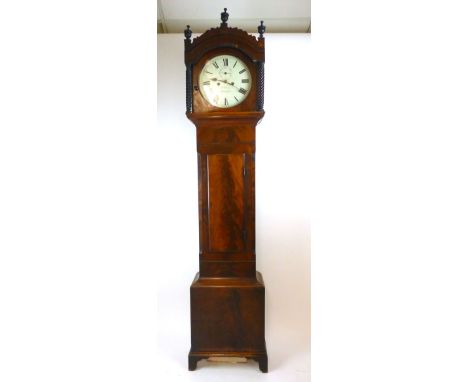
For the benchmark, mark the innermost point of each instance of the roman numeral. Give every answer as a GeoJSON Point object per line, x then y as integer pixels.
{"type": "Point", "coordinates": [206, 71]}
{"type": "Point", "coordinates": [206, 83]}
{"type": "Point", "coordinates": [242, 71]}
{"type": "Point", "coordinates": [225, 61]}
{"type": "Point", "coordinates": [245, 81]}
{"type": "Point", "coordinates": [215, 65]}
{"type": "Point", "coordinates": [236, 98]}
{"type": "Point", "coordinates": [234, 65]}
{"type": "Point", "coordinates": [242, 90]}
{"type": "Point", "coordinates": [225, 102]}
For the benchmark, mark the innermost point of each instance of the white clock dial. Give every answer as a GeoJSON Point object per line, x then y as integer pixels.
{"type": "Point", "coordinates": [225, 81]}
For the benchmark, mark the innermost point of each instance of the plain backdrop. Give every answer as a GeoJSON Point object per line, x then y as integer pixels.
{"type": "Point", "coordinates": [282, 214]}
{"type": "Point", "coordinates": [378, 145]}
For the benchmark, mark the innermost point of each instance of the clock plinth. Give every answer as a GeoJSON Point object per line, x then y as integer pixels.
{"type": "Point", "coordinates": [228, 319]}
{"type": "Point", "coordinates": [225, 103]}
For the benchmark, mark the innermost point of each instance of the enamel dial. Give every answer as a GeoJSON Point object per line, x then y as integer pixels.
{"type": "Point", "coordinates": [225, 81]}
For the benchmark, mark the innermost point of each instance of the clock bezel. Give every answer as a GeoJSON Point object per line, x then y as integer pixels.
{"type": "Point", "coordinates": [201, 105]}
{"type": "Point", "coordinates": [206, 90]}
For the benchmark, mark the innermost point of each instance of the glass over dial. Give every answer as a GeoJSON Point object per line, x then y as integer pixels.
{"type": "Point", "coordinates": [225, 81]}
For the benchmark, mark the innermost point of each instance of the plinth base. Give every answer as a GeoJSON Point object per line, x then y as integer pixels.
{"type": "Point", "coordinates": [228, 319]}
{"type": "Point", "coordinates": [261, 358]}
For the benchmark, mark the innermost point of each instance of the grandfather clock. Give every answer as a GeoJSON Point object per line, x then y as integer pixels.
{"type": "Point", "coordinates": [224, 89]}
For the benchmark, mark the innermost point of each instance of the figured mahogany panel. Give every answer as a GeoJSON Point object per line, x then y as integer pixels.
{"type": "Point", "coordinates": [231, 132]}
{"type": "Point", "coordinates": [231, 146]}
{"type": "Point", "coordinates": [226, 202]}
{"type": "Point", "coordinates": [227, 318]}
{"type": "Point", "coordinates": [228, 314]}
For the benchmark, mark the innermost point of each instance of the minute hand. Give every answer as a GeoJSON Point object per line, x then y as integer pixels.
{"type": "Point", "coordinates": [225, 81]}
{"type": "Point", "coordinates": [229, 83]}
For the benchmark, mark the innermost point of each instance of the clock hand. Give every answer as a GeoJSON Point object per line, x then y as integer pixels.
{"type": "Point", "coordinates": [230, 83]}
{"type": "Point", "coordinates": [224, 81]}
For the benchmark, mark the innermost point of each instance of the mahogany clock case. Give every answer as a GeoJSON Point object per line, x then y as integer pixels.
{"type": "Point", "coordinates": [227, 296]}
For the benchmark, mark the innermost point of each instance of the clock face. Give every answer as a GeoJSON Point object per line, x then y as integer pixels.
{"type": "Point", "coordinates": [225, 81]}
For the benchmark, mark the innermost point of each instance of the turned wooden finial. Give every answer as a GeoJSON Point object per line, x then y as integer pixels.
{"type": "Point", "coordinates": [224, 18]}
{"type": "Point", "coordinates": [188, 33]}
{"type": "Point", "coordinates": [261, 29]}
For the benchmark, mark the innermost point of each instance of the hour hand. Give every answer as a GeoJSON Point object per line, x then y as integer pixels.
{"type": "Point", "coordinates": [229, 83]}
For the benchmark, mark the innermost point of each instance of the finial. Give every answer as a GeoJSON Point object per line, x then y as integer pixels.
{"type": "Point", "coordinates": [261, 29]}
{"type": "Point", "coordinates": [188, 33]}
{"type": "Point", "coordinates": [224, 18]}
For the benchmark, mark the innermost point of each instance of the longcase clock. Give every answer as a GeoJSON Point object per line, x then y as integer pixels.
{"type": "Point", "coordinates": [224, 89]}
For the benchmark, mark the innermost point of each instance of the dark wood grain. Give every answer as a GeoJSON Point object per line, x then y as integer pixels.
{"type": "Point", "coordinates": [226, 202]}
{"type": "Point", "coordinates": [226, 175]}
{"type": "Point", "coordinates": [228, 319]}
